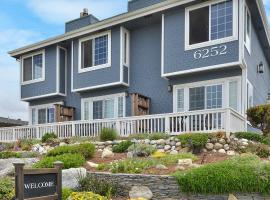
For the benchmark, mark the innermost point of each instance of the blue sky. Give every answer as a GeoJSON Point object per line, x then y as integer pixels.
{"type": "Point", "coordinates": [24, 22]}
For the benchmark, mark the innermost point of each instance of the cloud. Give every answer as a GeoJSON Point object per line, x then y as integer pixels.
{"type": "Point", "coordinates": [61, 11]}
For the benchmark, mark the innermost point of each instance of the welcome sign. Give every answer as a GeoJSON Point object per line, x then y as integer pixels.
{"type": "Point", "coordinates": [38, 184]}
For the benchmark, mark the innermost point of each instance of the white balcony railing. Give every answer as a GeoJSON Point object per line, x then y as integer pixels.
{"type": "Point", "coordinates": [226, 120]}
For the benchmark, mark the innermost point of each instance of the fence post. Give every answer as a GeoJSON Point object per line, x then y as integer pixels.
{"type": "Point", "coordinates": [13, 135]}
{"type": "Point", "coordinates": [118, 127]}
{"type": "Point", "coordinates": [73, 129]}
{"type": "Point", "coordinates": [167, 124]}
{"type": "Point", "coordinates": [228, 123]}
{"type": "Point", "coordinates": [37, 131]}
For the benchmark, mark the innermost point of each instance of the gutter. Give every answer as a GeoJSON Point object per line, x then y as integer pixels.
{"type": "Point", "coordinates": [264, 19]}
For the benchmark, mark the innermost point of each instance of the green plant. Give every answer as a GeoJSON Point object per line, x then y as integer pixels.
{"type": "Point", "coordinates": [142, 150]}
{"type": "Point", "coordinates": [98, 186]}
{"type": "Point", "coordinates": [263, 151]}
{"type": "Point", "coordinates": [249, 136]}
{"type": "Point", "coordinates": [69, 161]}
{"type": "Point", "coordinates": [9, 154]}
{"type": "Point", "coordinates": [66, 192]}
{"type": "Point", "coordinates": [243, 174]}
{"type": "Point", "coordinates": [194, 140]}
{"type": "Point", "coordinates": [86, 196]}
{"type": "Point", "coordinates": [108, 134]}
{"type": "Point", "coordinates": [26, 144]}
{"type": "Point", "coordinates": [157, 136]}
{"type": "Point", "coordinates": [266, 140]}
{"type": "Point", "coordinates": [48, 136]}
{"type": "Point", "coordinates": [6, 189]}
{"type": "Point", "coordinates": [85, 149]}
{"type": "Point", "coordinates": [259, 117]}
{"type": "Point", "coordinates": [138, 136]}
{"type": "Point", "coordinates": [122, 146]}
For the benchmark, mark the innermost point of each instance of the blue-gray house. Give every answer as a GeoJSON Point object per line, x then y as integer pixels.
{"type": "Point", "coordinates": [181, 65]}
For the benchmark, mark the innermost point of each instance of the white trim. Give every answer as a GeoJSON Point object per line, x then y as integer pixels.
{"type": "Point", "coordinates": [99, 86]}
{"type": "Point", "coordinates": [210, 42]}
{"type": "Point", "coordinates": [72, 65]}
{"type": "Point", "coordinates": [247, 43]}
{"type": "Point", "coordinates": [42, 96]}
{"type": "Point", "coordinates": [115, 97]}
{"type": "Point", "coordinates": [95, 67]}
{"type": "Point", "coordinates": [58, 48]}
{"type": "Point", "coordinates": [241, 30]}
{"type": "Point", "coordinates": [102, 25]}
{"type": "Point", "coordinates": [201, 69]}
{"type": "Point", "coordinates": [42, 52]}
{"type": "Point", "coordinates": [124, 31]}
{"type": "Point", "coordinates": [162, 43]}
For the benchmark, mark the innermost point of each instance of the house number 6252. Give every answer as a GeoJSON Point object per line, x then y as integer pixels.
{"type": "Point", "coordinates": [210, 52]}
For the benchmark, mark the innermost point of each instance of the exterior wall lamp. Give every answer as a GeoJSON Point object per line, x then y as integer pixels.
{"type": "Point", "coordinates": [169, 88]}
{"type": "Point", "coordinates": [260, 68]}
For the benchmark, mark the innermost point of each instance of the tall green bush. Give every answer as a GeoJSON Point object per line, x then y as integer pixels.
{"type": "Point", "coordinates": [122, 146]}
{"type": "Point", "coordinates": [108, 134]}
{"type": "Point", "coordinates": [196, 141]}
{"type": "Point", "coordinates": [48, 136]}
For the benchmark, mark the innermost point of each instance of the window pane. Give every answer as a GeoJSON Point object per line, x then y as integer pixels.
{"type": "Point", "coordinates": [97, 109]}
{"type": "Point", "coordinates": [37, 61]}
{"type": "Point", "coordinates": [109, 108]}
{"type": "Point", "coordinates": [180, 100]}
{"type": "Point", "coordinates": [101, 50]}
{"type": "Point", "coordinates": [27, 69]}
{"type": "Point", "coordinates": [86, 110]}
{"type": "Point", "coordinates": [221, 20]}
{"type": "Point", "coordinates": [196, 98]}
{"type": "Point", "coordinates": [87, 55]}
{"type": "Point", "coordinates": [42, 116]}
{"type": "Point", "coordinates": [51, 116]}
{"type": "Point", "coordinates": [120, 106]}
{"type": "Point", "coordinates": [233, 95]}
{"type": "Point", "coordinates": [214, 96]}
{"type": "Point", "coordinates": [199, 25]}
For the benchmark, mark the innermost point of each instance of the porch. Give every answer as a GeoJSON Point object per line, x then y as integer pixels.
{"type": "Point", "coordinates": [225, 120]}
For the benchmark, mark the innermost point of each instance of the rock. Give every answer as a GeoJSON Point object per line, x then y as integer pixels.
{"type": "Point", "coordinates": [147, 141]}
{"type": "Point", "coordinates": [173, 148]}
{"type": "Point", "coordinates": [232, 197]}
{"type": "Point", "coordinates": [71, 176]}
{"type": "Point", "coordinates": [222, 141]}
{"type": "Point", "coordinates": [107, 153]}
{"type": "Point", "coordinates": [214, 151]}
{"type": "Point", "coordinates": [181, 168]}
{"type": "Point", "coordinates": [167, 147]}
{"type": "Point", "coordinates": [162, 167]}
{"type": "Point", "coordinates": [161, 141]}
{"type": "Point", "coordinates": [168, 142]}
{"type": "Point", "coordinates": [108, 143]}
{"type": "Point", "coordinates": [221, 151]}
{"type": "Point", "coordinates": [245, 143]}
{"type": "Point", "coordinates": [218, 146]}
{"type": "Point", "coordinates": [140, 192]}
{"type": "Point", "coordinates": [100, 150]}
{"type": "Point", "coordinates": [204, 150]}
{"type": "Point", "coordinates": [174, 152]}
{"type": "Point", "coordinates": [93, 165]}
{"type": "Point", "coordinates": [176, 140]}
{"type": "Point", "coordinates": [230, 153]}
{"type": "Point", "coordinates": [130, 155]}
{"type": "Point", "coordinates": [209, 146]}
{"type": "Point", "coordinates": [153, 142]}
{"type": "Point", "coordinates": [244, 140]}
{"type": "Point", "coordinates": [226, 147]}
{"type": "Point", "coordinates": [184, 150]}
{"type": "Point", "coordinates": [178, 144]}
{"type": "Point", "coordinates": [62, 144]}
{"type": "Point", "coordinates": [173, 143]}
{"type": "Point", "coordinates": [185, 162]}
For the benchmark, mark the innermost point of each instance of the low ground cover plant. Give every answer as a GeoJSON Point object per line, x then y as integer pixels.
{"type": "Point", "coordinates": [196, 141]}
{"type": "Point", "coordinates": [249, 136]}
{"type": "Point", "coordinates": [6, 189]}
{"type": "Point", "coordinates": [261, 150]}
{"type": "Point", "coordinates": [87, 196]}
{"type": "Point", "coordinates": [26, 144]}
{"type": "Point", "coordinates": [69, 161]}
{"type": "Point", "coordinates": [142, 150]}
{"type": "Point", "coordinates": [87, 150]}
{"type": "Point", "coordinates": [243, 174]}
{"type": "Point", "coordinates": [66, 192]}
{"type": "Point", "coordinates": [150, 136]}
{"type": "Point", "coordinates": [138, 165]}
{"type": "Point", "coordinates": [122, 146]}
{"type": "Point", "coordinates": [108, 134]}
{"type": "Point", "coordinates": [9, 154]}
{"type": "Point", "coordinates": [48, 136]}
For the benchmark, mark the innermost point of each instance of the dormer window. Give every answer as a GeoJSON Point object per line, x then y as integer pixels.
{"type": "Point", "coordinates": [209, 23]}
{"type": "Point", "coordinates": [33, 68]}
{"type": "Point", "coordinates": [95, 52]}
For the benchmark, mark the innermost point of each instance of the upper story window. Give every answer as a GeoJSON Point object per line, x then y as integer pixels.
{"type": "Point", "coordinates": [95, 52]}
{"type": "Point", "coordinates": [125, 37]}
{"type": "Point", "coordinates": [247, 29]}
{"type": "Point", "coordinates": [33, 68]}
{"type": "Point", "coordinates": [210, 23]}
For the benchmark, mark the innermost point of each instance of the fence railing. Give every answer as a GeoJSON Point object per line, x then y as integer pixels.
{"type": "Point", "coordinates": [226, 120]}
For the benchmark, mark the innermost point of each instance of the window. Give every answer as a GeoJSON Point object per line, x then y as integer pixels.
{"type": "Point", "coordinates": [125, 46]}
{"type": "Point", "coordinates": [42, 114]}
{"type": "Point", "coordinates": [180, 100]}
{"type": "Point", "coordinates": [214, 96]}
{"type": "Point", "coordinates": [95, 52]}
{"type": "Point", "coordinates": [42, 118]}
{"type": "Point", "coordinates": [106, 107]}
{"type": "Point", "coordinates": [249, 95]}
{"type": "Point", "coordinates": [233, 91]}
{"type": "Point", "coordinates": [196, 98]}
{"type": "Point", "coordinates": [51, 115]}
{"type": "Point", "coordinates": [247, 29]}
{"type": "Point", "coordinates": [209, 22]}
{"type": "Point", "coordinates": [33, 68]}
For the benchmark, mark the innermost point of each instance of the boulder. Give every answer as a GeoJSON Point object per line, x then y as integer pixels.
{"type": "Point", "coordinates": [153, 142]}
{"type": "Point", "coordinates": [222, 141]}
{"type": "Point", "coordinates": [161, 141]}
{"type": "Point", "coordinates": [184, 150]}
{"type": "Point", "coordinates": [218, 146]}
{"type": "Point", "coordinates": [130, 155]}
{"type": "Point", "coordinates": [147, 141]}
{"type": "Point", "coordinates": [93, 165]}
{"type": "Point", "coordinates": [185, 162]}
{"type": "Point", "coordinates": [62, 144]}
{"type": "Point", "coordinates": [230, 153]}
{"type": "Point", "coordinates": [140, 192]}
{"type": "Point", "coordinates": [180, 168]}
{"type": "Point", "coordinates": [162, 167]}
{"type": "Point", "coordinates": [71, 176]}
{"type": "Point", "coordinates": [174, 152]}
{"type": "Point", "coordinates": [209, 146]}
{"type": "Point", "coordinates": [167, 147]}
{"type": "Point", "coordinates": [107, 153]}
{"type": "Point", "coordinates": [232, 197]}
{"type": "Point", "coordinates": [221, 151]}
{"type": "Point", "coordinates": [226, 147]}
{"type": "Point", "coordinates": [178, 144]}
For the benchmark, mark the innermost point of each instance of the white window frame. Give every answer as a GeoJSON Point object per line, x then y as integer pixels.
{"type": "Point", "coordinates": [127, 53]}
{"type": "Point", "coordinates": [43, 67]}
{"type": "Point", "coordinates": [225, 92]}
{"type": "Point", "coordinates": [250, 92]}
{"type": "Point", "coordinates": [103, 98]}
{"type": "Point", "coordinates": [94, 67]}
{"type": "Point", "coordinates": [247, 42]}
{"type": "Point", "coordinates": [210, 42]}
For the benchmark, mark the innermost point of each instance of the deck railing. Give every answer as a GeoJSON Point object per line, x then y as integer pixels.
{"type": "Point", "coordinates": [226, 120]}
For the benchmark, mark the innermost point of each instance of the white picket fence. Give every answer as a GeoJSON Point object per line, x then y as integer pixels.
{"type": "Point", "coordinates": [226, 120]}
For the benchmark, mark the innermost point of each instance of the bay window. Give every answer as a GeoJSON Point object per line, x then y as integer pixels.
{"type": "Point", "coordinates": [95, 52]}
{"type": "Point", "coordinates": [42, 114]}
{"type": "Point", "coordinates": [104, 107]}
{"type": "Point", "coordinates": [33, 68]}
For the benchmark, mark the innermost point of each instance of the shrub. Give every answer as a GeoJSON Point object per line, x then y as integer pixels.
{"type": "Point", "coordinates": [157, 136]}
{"type": "Point", "coordinates": [48, 136]}
{"type": "Point", "coordinates": [196, 141]}
{"type": "Point", "coordinates": [26, 144]}
{"type": "Point", "coordinates": [108, 134]}
{"type": "Point", "coordinates": [263, 151]}
{"type": "Point", "coordinates": [66, 192]}
{"type": "Point", "coordinates": [122, 147]}
{"type": "Point", "coordinates": [9, 154]}
{"type": "Point", "coordinates": [142, 150]}
{"type": "Point", "coordinates": [259, 117]}
{"type": "Point", "coordinates": [139, 136]}
{"type": "Point", "coordinates": [249, 136]}
{"type": "Point", "coordinates": [6, 189]}
{"type": "Point", "coordinates": [98, 186]}
{"type": "Point", "coordinates": [86, 196]}
{"type": "Point", "coordinates": [86, 149]}
{"type": "Point", "coordinates": [69, 161]}
{"type": "Point", "coordinates": [266, 140]}
{"type": "Point", "coordinates": [241, 174]}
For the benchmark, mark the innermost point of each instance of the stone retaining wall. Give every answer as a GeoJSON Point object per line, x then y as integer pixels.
{"type": "Point", "coordinates": [162, 187]}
